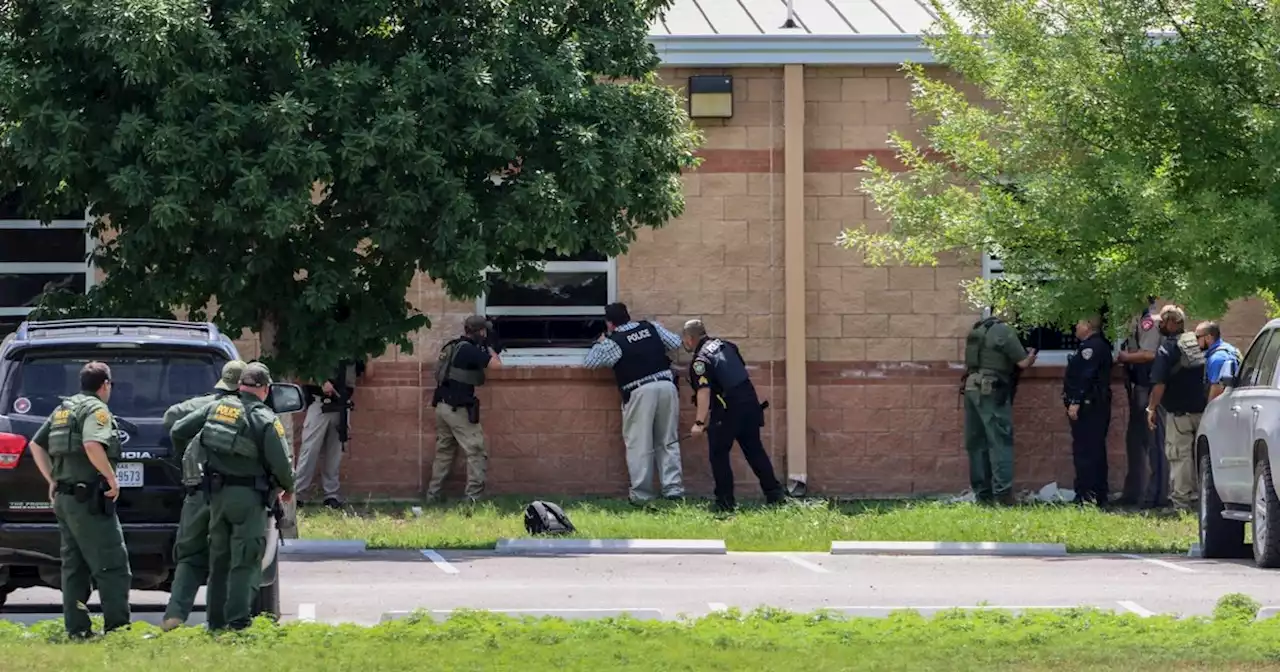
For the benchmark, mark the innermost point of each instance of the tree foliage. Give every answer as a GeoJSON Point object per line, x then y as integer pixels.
{"type": "Point", "coordinates": [200, 129]}
{"type": "Point", "coordinates": [1121, 148]}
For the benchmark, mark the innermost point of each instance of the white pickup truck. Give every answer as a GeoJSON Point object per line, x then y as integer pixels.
{"type": "Point", "coordinates": [1236, 446]}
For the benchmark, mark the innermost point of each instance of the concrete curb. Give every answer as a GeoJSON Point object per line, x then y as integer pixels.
{"type": "Point", "coordinates": [947, 548]}
{"type": "Point", "coordinates": [526, 546]}
{"type": "Point", "coordinates": [1267, 612]}
{"type": "Point", "coordinates": [323, 547]}
{"type": "Point", "coordinates": [642, 614]}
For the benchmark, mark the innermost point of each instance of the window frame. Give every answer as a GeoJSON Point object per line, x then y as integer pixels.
{"type": "Point", "coordinates": [553, 356]}
{"type": "Point", "coordinates": [1261, 345]}
{"type": "Point", "coordinates": [992, 266]}
{"type": "Point", "coordinates": [51, 267]}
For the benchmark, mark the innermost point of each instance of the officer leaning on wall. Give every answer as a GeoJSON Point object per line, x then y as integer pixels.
{"type": "Point", "coordinates": [992, 356]}
{"type": "Point", "coordinates": [460, 370]}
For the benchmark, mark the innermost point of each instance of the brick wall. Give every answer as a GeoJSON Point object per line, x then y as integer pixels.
{"type": "Point", "coordinates": [884, 416]}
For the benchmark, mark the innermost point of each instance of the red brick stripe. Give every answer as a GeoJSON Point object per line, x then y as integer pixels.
{"type": "Point", "coordinates": [815, 160]}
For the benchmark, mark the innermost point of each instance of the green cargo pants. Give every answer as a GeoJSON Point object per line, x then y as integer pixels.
{"type": "Point", "coordinates": [93, 554]}
{"type": "Point", "coordinates": [237, 541]}
{"type": "Point", "coordinates": [191, 554]}
{"type": "Point", "coordinates": [988, 439]}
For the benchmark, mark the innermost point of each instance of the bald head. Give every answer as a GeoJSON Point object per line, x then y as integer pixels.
{"type": "Point", "coordinates": [693, 332]}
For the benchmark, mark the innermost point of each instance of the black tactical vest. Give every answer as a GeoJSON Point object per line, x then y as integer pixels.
{"type": "Point", "coordinates": [643, 354]}
{"type": "Point", "coordinates": [729, 370]}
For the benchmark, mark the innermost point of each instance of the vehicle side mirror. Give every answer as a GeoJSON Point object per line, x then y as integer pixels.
{"type": "Point", "coordinates": [1227, 382]}
{"type": "Point", "coordinates": [285, 398]}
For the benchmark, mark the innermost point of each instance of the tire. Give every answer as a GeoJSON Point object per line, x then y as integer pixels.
{"type": "Point", "coordinates": [4, 596]}
{"type": "Point", "coordinates": [1266, 518]}
{"type": "Point", "coordinates": [1219, 537]}
{"type": "Point", "coordinates": [267, 600]}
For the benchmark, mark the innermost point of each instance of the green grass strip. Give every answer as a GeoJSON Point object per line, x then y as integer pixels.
{"type": "Point", "coordinates": [1065, 641]}
{"type": "Point", "coordinates": [800, 526]}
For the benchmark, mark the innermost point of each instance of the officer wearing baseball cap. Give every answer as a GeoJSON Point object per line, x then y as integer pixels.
{"type": "Point", "coordinates": [247, 459]}
{"type": "Point", "coordinates": [459, 371]}
{"type": "Point", "coordinates": [191, 549]}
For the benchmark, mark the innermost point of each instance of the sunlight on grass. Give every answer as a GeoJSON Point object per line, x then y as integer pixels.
{"type": "Point", "coordinates": [799, 526]}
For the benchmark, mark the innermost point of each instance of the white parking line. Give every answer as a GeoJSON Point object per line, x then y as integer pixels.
{"type": "Point", "coordinates": [439, 561]}
{"type": "Point", "coordinates": [718, 606]}
{"type": "Point", "coordinates": [1161, 563]}
{"type": "Point", "coordinates": [1136, 608]}
{"type": "Point", "coordinates": [806, 564]}
{"type": "Point", "coordinates": [307, 612]}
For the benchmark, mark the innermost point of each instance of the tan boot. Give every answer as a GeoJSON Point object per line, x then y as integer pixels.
{"type": "Point", "coordinates": [170, 624]}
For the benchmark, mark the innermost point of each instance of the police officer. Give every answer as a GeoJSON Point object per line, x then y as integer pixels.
{"type": "Point", "coordinates": [459, 371]}
{"type": "Point", "coordinates": [992, 355]}
{"type": "Point", "coordinates": [1144, 447]}
{"type": "Point", "coordinates": [324, 431]}
{"type": "Point", "coordinates": [1178, 390]}
{"type": "Point", "coordinates": [79, 465]}
{"type": "Point", "coordinates": [728, 410]}
{"type": "Point", "coordinates": [1086, 393]}
{"type": "Point", "coordinates": [243, 443]}
{"type": "Point", "coordinates": [637, 353]}
{"type": "Point", "coordinates": [191, 550]}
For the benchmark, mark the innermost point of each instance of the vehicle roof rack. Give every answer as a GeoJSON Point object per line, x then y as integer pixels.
{"type": "Point", "coordinates": [50, 328]}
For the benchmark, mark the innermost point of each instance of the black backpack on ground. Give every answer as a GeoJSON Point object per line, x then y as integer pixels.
{"type": "Point", "coordinates": [546, 518]}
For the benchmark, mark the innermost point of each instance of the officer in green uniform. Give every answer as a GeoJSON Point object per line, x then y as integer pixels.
{"type": "Point", "coordinates": [79, 465]}
{"type": "Point", "coordinates": [992, 353]}
{"type": "Point", "coordinates": [191, 550]}
{"type": "Point", "coordinates": [243, 443]}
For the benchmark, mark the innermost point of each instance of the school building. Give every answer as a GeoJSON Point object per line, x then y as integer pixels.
{"type": "Point", "coordinates": [861, 365]}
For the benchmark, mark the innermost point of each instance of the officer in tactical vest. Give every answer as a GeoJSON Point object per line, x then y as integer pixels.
{"type": "Point", "coordinates": [459, 371]}
{"type": "Point", "coordinates": [637, 353]}
{"type": "Point", "coordinates": [246, 459]}
{"type": "Point", "coordinates": [993, 356]}
{"type": "Point", "coordinates": [79, 465]}
{"type": "Point", "coordinates": [325, 430]}
{"type": "Point", "coordinates": [728, 410]}
{"type": "Point", "coordinates": [1179, 390]}
{"type": "Point", "coordinates": [1086, 393]}
{"type": "Point", "coordinates": [191, 550]}
{"type": "Point", "coordinates": [1146, 483]}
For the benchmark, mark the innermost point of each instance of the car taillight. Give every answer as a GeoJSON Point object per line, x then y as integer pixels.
{"type": "Point", "coordinates": [11, 447]}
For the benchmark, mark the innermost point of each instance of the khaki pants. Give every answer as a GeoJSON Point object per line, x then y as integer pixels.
{"type": "Point", "coordinates": [650, 428]}
{"type": "Point", "coordinates": [453, 429]}
{"type": "Point", "coordinates": [320, 448]}
{"type": "Point", "coordinates": [1179, 447]}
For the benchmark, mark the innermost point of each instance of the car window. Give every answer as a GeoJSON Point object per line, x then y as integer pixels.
{"type": "Point", "coordinates": [1267, 368]}
{"type": "Point", "coordinates": [141, 385]}
{"type": "Point", "coordinates": [1250, 366]}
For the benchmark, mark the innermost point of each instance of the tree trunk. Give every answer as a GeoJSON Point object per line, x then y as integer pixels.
{"type": "Point", "coordinates": [267, 346]}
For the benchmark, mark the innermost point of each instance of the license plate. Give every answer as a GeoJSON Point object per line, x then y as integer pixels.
{"type": "Point", "coordinates": [129, 474]}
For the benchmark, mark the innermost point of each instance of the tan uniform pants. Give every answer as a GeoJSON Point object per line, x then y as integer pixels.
{"type": "Point", "coordinates": [1179, 447]}
{"type": "Point", "coordinates": [453, 429]}
{"type": "Point", "coordinates": [320, 448]}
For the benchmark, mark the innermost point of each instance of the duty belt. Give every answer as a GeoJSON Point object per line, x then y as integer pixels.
{"type": "Point", "coordinates": [65, 488]}
{"type": "Point", "coordinates": [651, 378]}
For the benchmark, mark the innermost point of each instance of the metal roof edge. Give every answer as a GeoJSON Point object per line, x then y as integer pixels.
{"type": "Point", "coordinates": [806, 49]}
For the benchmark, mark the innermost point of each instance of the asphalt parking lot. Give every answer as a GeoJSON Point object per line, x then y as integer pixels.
{"type": "Point", "coordinates": [387, 584]}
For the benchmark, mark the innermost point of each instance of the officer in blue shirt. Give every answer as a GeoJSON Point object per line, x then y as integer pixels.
{"type": "Point", "coordinates": [1086, 392]}
{"type": "Point", "coordinates": [1220, 357]}
{"type": "Point", "coordinates": [728, 410]}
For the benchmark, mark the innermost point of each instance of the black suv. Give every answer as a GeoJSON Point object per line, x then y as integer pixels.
{"type": "Point", "coordinates": [154, 364]}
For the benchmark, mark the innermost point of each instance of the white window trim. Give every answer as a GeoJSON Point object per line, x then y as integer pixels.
{"type": "Point", "coordinates": [50, 267]}
{"type": "Point", "coordinates": [553, 356]}
{"type": "Point", "coordinates": [990, 269]}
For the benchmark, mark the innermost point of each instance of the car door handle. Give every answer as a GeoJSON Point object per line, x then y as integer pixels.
{"type": "Point", "coordinates": [1256, 408]}
{"type": "Point", "coordinates": [1235, 409]}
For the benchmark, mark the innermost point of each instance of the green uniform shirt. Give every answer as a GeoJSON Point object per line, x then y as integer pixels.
{"type": "Point", "coordinates": [1001, 351]}
{"type": "Point", "coordinates": [180, 410]}
{"type": "Point", "coordinates": [97, 425]}
{"type": "Point", "coordinates": [266, 431]}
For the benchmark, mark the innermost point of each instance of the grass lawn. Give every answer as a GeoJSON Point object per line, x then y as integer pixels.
{"type": "Point", "coordinates": [1071, 641]}
{"type": "Point", "coordinates": [798, 526]}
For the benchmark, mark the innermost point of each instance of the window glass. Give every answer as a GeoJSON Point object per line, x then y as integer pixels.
{"type": "Point", "coordinates": [42, 245]}
{"type": "Point", "coordinates": [1267, 366]}
{"type": "Point", "coordinates": [1249, 366]}
{"type": "Point", "coordinates": [141, 386]}
{"type": "Point", "coordinates": [24, 289]}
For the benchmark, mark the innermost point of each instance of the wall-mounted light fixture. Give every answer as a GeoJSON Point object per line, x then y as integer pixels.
{"type": "Point", "coordinates": [711, 96]}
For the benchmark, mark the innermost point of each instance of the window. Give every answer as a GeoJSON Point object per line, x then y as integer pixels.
{"type": "Point", "coordinates": [142, 385]}
{"type": "Point", "coordinates": [554, 320]}
{"type": "Point", "coordinates": [1054, 344]}
{"type": "Point", "coordinates": [1258, 367]}
{"type": "Point", "coordinates": [35, 258]}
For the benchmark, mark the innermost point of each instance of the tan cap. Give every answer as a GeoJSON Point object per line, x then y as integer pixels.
{"type": "Point", "coordinates": [475, 323]}
{"type": "Point", "coordinates": [255, 374]}
{"type": "Point", "coordinates": [230, 375]}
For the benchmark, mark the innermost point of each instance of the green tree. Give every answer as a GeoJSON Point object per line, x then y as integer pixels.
{"type": "Point", "coordinates": [200, 130]}
{"type": "Point", "coordinates": [1119, 149]}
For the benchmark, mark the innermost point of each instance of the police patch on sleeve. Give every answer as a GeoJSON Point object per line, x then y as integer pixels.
{"type": "Point", "coordinates": [1086, 353]}
{"type": "Point", "coordinates": [101, 416]}
{"type": "Point", "coordinates": [279, 428]}
{"type": "Point", "coordinates": [699, 367]}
